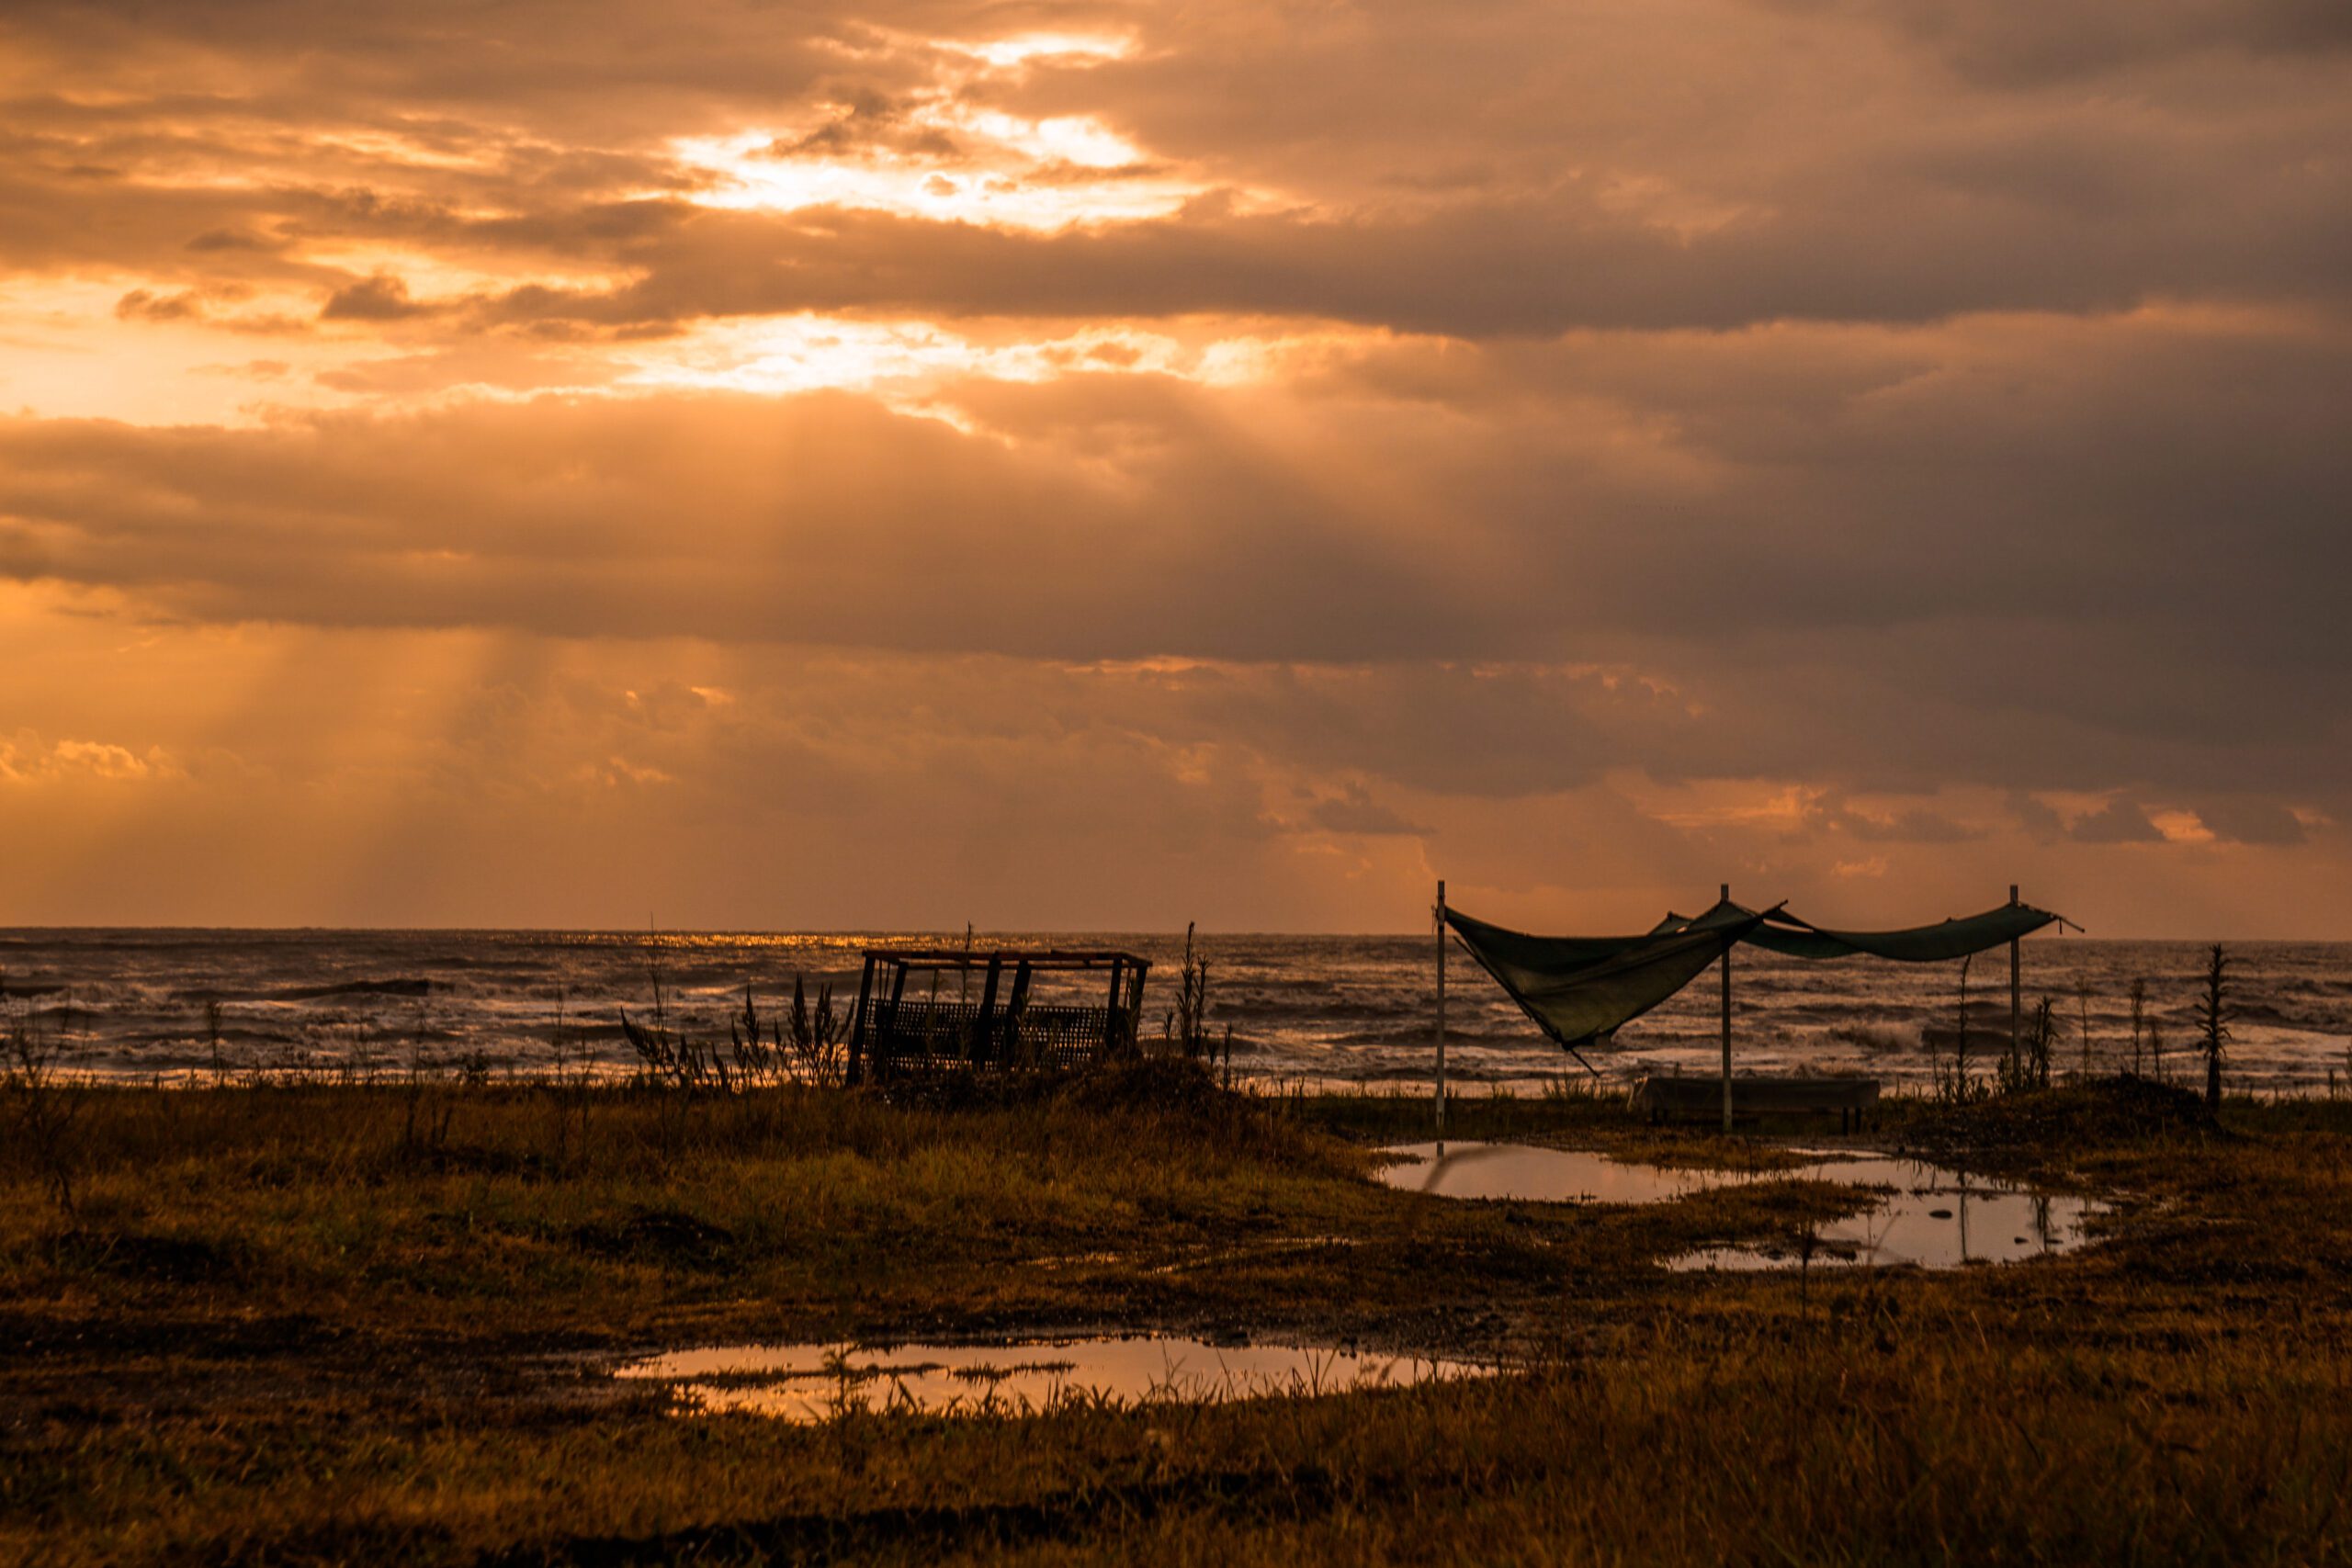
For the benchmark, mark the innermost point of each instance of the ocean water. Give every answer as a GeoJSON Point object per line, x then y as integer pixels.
{"type": "Point", "coordinates": [1326, 1009]}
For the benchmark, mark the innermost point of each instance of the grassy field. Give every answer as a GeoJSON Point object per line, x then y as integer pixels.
{"type": "Point", "coordinates": [376, 1323]}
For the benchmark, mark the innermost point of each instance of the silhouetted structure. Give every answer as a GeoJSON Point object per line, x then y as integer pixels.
{"type": "Point", "coordinates": [1581, 990]}
{"type": "Point", "coordinates": [904, 1024]}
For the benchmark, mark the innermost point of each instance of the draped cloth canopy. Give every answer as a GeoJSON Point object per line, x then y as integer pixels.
{"type": "Point", "coordinates": [1948, 939]}
{"type": "Point", "coordinates": [1579, 990]}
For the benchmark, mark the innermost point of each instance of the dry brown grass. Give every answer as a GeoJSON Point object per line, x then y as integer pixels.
{"type": "Point", "coordinates": [284, 1326]}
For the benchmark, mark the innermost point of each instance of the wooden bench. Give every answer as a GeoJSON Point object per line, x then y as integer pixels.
{"type": "Point", "coordinates": [1678, 1099]}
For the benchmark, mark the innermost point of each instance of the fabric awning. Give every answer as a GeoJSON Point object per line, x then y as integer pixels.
{"type": "Point", "coordinates": [1578, 990]}
{"type": "Point", "coordinates": [1955, 936]}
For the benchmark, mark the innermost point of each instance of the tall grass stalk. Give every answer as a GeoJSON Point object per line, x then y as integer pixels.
{"type": "Point", "coordinates": [2139, 1018]}
{"type": "Point", "coordinates": [1955, 1088]}
{"type": "Point", "coordinates": [2083, 1011]}
{"type": "Point", "coordinates": [2214, 1020]}
{"type": "Point", "coordinates": [1186, 1024]}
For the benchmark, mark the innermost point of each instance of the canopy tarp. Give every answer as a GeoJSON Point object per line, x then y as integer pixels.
{"type": "Point", "coordinates": [1578, 988]}
{"type": "Point", "coordinates": [1952, 938]}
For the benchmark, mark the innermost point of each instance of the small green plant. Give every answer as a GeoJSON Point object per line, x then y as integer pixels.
{"type": "Point", "coordinates": [568, 1077]}
{"type": "Point", "coordinates": [808, 1045]}
{"type": "Point", "coordinates": [818, 1036]}
{"type": "Point", "coordinates": [757, 1055]}
{"type": "Point", "coordinates": [673, 1058]}
{"type": "Point", "coordinates": [2027, 1066]}
{"type": "Point", "coordinates": [1186, 1025]}
{"type": "Point", "coordinates": [1954, 1088]}
{"type": "Point", "coordinates": [43, 1102]}
{"type": "Point", "coordinates": [2214, 1020]}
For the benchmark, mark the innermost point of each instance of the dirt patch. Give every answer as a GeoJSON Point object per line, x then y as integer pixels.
{"type": "Point", "coordinates": [668, 1235]}
{"type": "Point", "coordinates": [151, 1257]}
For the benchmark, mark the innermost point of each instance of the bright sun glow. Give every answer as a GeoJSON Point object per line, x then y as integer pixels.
{"type": "Point", "coordinates": [1048, 173]}
{"type": "Point", "coordinates": [907, 360]}
{"type": "Point", "coordinates": [1006, 53]}
{"type": "Point", "coordinates": [942, 154]}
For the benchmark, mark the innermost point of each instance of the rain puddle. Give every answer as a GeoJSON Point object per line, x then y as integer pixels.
{"type": "Point", "coordinates": [808, 1383]}
{"type": "Point", "coordinates": [1930, 1216]}
{"type": "Point", "coordinates": [1934, 1218]}
{"type": "Point", "coordinates": [1522, 1172]}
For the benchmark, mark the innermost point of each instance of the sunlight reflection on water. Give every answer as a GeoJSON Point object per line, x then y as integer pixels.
{"type": "Point", "coordinates": [1930, 1216]}
{"type": "Point", "coordinates": [810, 1383]}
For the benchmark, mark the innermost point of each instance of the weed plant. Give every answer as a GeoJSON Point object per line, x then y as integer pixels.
{"type": "Point", "coordinates": [2213, 1019]}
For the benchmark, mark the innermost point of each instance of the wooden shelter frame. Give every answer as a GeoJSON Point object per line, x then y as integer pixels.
{"type": "Point", "coordinates": [893, 1034]}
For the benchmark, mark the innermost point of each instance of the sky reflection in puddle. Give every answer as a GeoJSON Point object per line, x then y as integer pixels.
{"type": "Point", "coordinates": [1931, 1216]}
{"type": "Point", "coordinates": [809, 1382]}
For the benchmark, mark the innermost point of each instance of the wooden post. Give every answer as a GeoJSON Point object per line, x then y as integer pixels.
{"type": "Point", "coordinates": [1440, 1007]}
{"type": "Point", "coordinates": [1111, 1015]}
{"type": "Point", "coordinates": [857, 1023]}
{"type": "Point", "coordinates": [1129, 1025]}
{"type": "Point", "coordinates": [2016, 1008]}
{"type": "Point", "coordinates": [1727, 946]}
{"type": "Point", "coordinates": [887, 1039]}
{"type": "Point", "coordinates": [1010, 1056]}
{"type": "Point", "coordinates": [981, 1025]}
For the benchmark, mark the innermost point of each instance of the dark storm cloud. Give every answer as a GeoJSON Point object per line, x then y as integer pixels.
{"type": "Point", "coordinates": [144, 305]}
{"type": "Point", "coordinates": [2084, 495]}
{"type": "Point", "coordinates": [1597, 205]}
{"type": "Point", "coordinates": [1355, 811]}
{"type": "Point", "coordinates": [2040, 820]}
{"type": "Point", "coordinates": [383, 297]}
{"type": "Point", "coordinates": [2117, 822]}
{"type": "Point", "coordinates": [2020, 42]}
{"type": "Point", "coordinates": [2252, 820]}
{"type": "Point", "coordinates": [1839, 566]}
{"type": "Point", "coordinates": [565, 66]}
{"type": "Point", "coordinates": [1915, 826]}
{"type": "Point", "coordinates": [1491, 268]}
{"type": "Point", "coordinates": [869, 121]}
{"type": "Point", "coordinates": [825, 519]}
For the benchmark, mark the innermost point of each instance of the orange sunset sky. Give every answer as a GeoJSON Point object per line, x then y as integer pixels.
{"type": "Point", "coordinates": [1086, 466]}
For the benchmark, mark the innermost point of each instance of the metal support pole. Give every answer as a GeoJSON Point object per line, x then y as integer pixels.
{"type": "Point", "coordinates": [1440, 1007]}
{"type": "Point", "coordinates": [1727, 899]}
{"type": "Point", "coordinates": [2017, 1008]}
